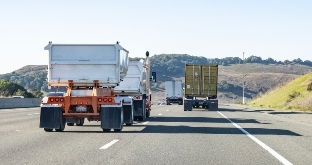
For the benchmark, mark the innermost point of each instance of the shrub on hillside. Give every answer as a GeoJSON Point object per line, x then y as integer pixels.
{"type": "Point", "coordinates": [310, 87]}
{"type": "Point", "coordinates": [293, 96]}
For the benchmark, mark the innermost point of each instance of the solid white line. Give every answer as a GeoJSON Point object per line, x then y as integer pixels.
{"type": "Point", "coordinates": [263, 145]}
{"type": "Point", "coordinates": [109, 144]}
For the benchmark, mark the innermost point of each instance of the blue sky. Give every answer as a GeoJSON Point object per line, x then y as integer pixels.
{"type": "Point", "coordinates": [280, 29]}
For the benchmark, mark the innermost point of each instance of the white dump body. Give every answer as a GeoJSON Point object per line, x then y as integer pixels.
{"type": "Point", "coordinates": [133, 81]}
{"type": "Point", "coordinates": [84, 63]}
{"type": "Point", "coordinates": [174, 89]}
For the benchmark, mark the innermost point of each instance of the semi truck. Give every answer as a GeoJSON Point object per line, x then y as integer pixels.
{"type": "Point", "coordinates": [90, 72]}
{"type": "Point", "coordinates": [174, 92]}
{"type": "Point", "coordinates": [200, 87]}
{"type": "Point", "coordinates": [135, 85]}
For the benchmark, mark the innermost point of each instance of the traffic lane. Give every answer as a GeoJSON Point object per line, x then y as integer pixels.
{"type": "Point", "coordinates": [76, 145]}
{"type": "Point", "coordinates": [23, 142]}
{"type": "Point", "coordinates": [197, 137]}
{"type": "Point", "coordinates": [137, 144]}
{"type": "Point", "coordinates": [287, 136]}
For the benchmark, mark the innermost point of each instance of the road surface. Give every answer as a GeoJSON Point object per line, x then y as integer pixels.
{"type": "Point", "coordinates": [232, 135]}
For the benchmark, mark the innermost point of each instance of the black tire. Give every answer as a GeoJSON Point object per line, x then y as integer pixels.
{"type": "Point", "coordinates": [106, 130]}
{"type": "Point", "coordinates": [140, 118]}
{"type": "Point", "coordinates": [81, 122]}
{"type": "Point", "coordinates": [117, 130]}
{"type": "Point", "coordinates": [148, 113]}
{"type": "Point", "coordinates": [70, 124]}
{"type": "Point", "coordinates": [48, 129]}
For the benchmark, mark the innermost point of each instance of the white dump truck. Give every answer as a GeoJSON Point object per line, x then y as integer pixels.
{"type": "Point", "coordinates": [135, 85]}
{"type": "Point", "coordinates": [90, 72]}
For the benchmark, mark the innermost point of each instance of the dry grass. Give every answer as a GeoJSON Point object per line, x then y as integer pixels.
{"type": "Point", "coordinates": [294, 95]}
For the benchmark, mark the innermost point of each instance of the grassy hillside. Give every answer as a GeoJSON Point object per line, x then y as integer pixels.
{"type": "Point", "coordinates": [293, 95]}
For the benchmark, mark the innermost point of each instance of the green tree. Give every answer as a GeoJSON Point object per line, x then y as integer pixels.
{"type": "Point", "coordinates": [8, 89]}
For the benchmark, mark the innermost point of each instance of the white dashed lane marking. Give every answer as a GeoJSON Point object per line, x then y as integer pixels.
{"type": "Point", "coordinates": [106, 146]}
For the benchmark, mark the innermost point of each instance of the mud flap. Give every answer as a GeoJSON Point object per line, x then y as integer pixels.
{"type": "Point", "coordinates": [128, 114]}
{"type": "Point", "coordinates": [140, 108]}
{"type": "Point", "coordinates": [188, 104]}
{"type": "Point", "coordinates": [111, 117]}
{"type": "Point", "coordinates": [51, 117]}
{"type": "Point", "coordinates": [212, 105]}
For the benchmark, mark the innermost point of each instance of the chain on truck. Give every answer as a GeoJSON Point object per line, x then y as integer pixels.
{"type": "Point", "coordinates": [90, 72]}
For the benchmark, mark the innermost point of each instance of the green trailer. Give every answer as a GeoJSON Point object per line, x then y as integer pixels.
{"type": "Point", "coordinates": [201, 86]}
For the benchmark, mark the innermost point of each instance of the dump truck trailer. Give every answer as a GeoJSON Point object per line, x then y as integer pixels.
{"type": "Point", "coordinates": [90, 72]}
{"type": "Point", "coordinates": [200, 88]}
{"type": "Point", "coordinates": [134, 85]}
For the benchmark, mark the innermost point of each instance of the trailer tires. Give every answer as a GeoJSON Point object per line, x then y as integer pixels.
{"type": "Point", "coordinates": [106, 130]}
{"type": "Point", "coordinates": [48, 129]}
{"type": "Point", "coordinates": [140, 118]}
{"type": "Point", "coordinates": [118, 130]}
{"type": "Point", "coordinates": [80, 122]}
{"type": "Point", "coordinates": [148, 113]}
{"type": "Point", "coordinates": [70, 124]}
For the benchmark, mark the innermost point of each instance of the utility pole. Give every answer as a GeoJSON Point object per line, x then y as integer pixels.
{"type": "Point", "coordinates": [244, 79]}
{"type": "Point", "coordinates": [244, 88]}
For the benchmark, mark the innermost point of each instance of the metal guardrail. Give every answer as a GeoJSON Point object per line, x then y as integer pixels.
{"type": "Point", "coordinates": [19, 102]}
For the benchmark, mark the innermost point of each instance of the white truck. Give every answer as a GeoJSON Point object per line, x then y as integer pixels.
{"type": "Point", "coordinates": [174, 92]}
{"type": "Point", "coordinates": [135, 86]}
{"type": "Point", "coordinates": [90, 72]}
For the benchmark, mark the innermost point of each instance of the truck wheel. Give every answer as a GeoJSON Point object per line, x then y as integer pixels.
{"type": "Point", "coordinates": [48, 129]}
{"type": "Point", "coordinates": [106, 130]}
{"type": "Point", "coordinates": [70, 124]}
{"type": "Point", "coordinates": [80, 122]}
{"type": "Point", "coordinates": [140, 118]}
{"type": "Point", "coordinates": [148, 113]}
{"type": "Point", "coordinates": [117, 130]}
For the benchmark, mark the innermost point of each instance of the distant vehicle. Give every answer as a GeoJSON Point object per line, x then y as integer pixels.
{"type": "Point", "coordinates": [174, 92]}
{"type": "Point", "coordinates": [18, 97]}
{"type": "Point", "coordinates": [200, 88]}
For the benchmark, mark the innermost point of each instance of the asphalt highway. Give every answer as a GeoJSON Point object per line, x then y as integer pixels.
{"type": "Point", "coordinates": [231, 135]}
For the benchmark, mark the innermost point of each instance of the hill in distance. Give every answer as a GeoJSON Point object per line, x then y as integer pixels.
{"type": "Point", "coordinates": [259, 76]}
